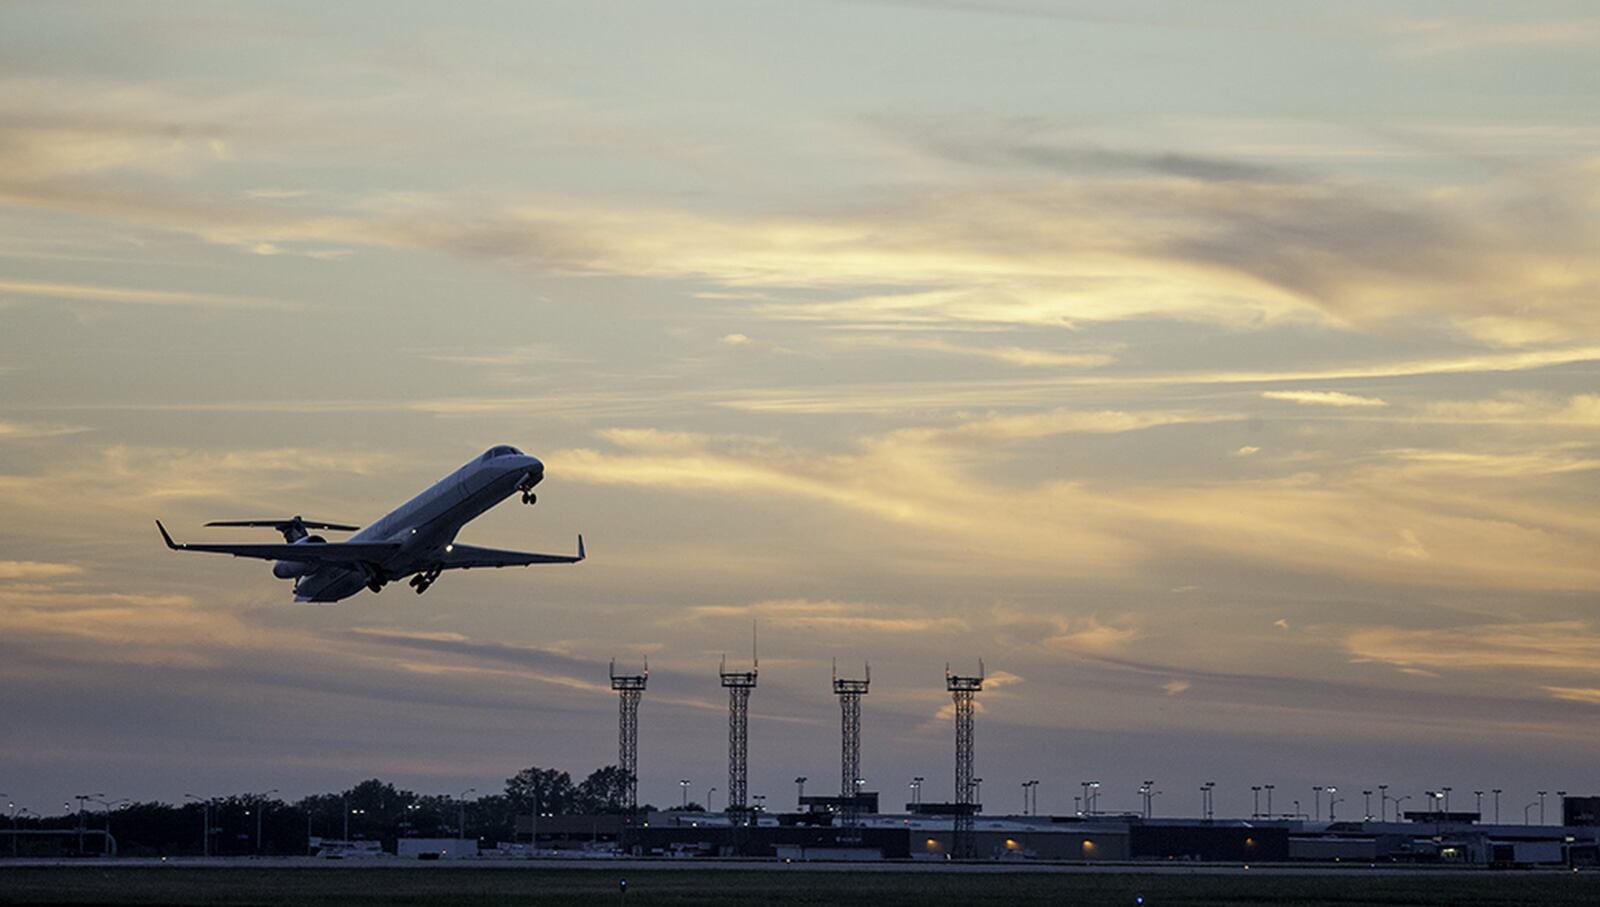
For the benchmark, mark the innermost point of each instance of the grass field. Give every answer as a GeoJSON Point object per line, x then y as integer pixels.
{"type": "Point", "coordinates": [465, 886]}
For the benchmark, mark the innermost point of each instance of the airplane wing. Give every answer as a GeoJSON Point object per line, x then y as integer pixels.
{"type": "Point", "coordinates": [304, 552]}
{"type": "Point", "coordinates": [465, 557]}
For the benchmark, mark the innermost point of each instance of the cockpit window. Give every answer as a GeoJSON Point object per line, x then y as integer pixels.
{"type": "Point", "coordinates": [504, 450]}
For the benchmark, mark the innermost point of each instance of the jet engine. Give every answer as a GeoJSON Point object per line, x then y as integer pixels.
{"type": "Point", "coordinates": [292, 569]}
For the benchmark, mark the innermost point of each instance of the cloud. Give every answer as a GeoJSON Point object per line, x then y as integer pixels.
{"type": "Point", "coordinates": [1513, 408]}
{"type": "Point", "coordinates": [1437, 36]}
{"type": "Point", "coordinates": [29, 289]}
{"type": "Point", "coordinates": [1248, 450]}
{"type": "Point", "coordinates": [1026, 357]}
{"type": "Point", "coordinates": [832, 616]}
{"type": "Point", "coordinates": [1174, 687]}
{"type": "Point", "coordinates": [23, 431]}
{"type": "Point", "coordinates": [1322, 398]}
{"type": "Point", "coordinates": [36, 570]}
{"type": "Point", "coordinates": [1568, 647]}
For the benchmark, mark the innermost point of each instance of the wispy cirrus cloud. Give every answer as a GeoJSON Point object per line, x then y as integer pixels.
{"type": "Point", "coordinates": [1323, 398]}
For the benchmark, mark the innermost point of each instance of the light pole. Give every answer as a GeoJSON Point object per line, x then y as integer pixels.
{"type": "Point", "coordinates": [108, 806]}
{"type": "Point", "coordinates": [1087, 805]}
{"type": "Point", "coordinates": [916, 789]}
{"type": "Point", "coordinates": [1541, 806]}
{"type": "Point", "coordinates": [1366, 806]}
{"type": "Point", "coordinates": [800, 783]}
{"type": "Point", "coordinates": [261, 809]}
{"type": "Point", "coordinates": [683, 787]}
{"type": "Point", "coordinates": [1316, 791]}
{"type": "Point", "coordinates": [1297, 813]}
{"type": "Point", "coordinates": [977, 791]}
{"type": "Point", "coordinates": [205, 824]}
{"type": "Point", "coordinates": [1446, 799]}
{"type": "Point", "coordinates": [1094, 797]}
{"type": "Point", "coordinates": [461, 812]}
{"type": "Point", "coordinates": [1397, 802]}
{"type": "Point", "coordinates": [1478, 794]}
{"type": "Point", "coordinates": [1563, 795]}
{"type": "Point", "coordinates": [709, 791]}
{"type": "Point", "coordinates": [1255, 801]}
{"type": "Point", "coordinates": [1331, 791]}
{"type": "Point", "coordinates": [1383, 803]}
{"type": "Point", "coordinates": [761, 802]}
{"type": "Point", "coordinates": [1497, 792]}
{"type": "Point", "coordinates": [1525, 812]}
{"type": "Point", "coordinates": [1268, 788]}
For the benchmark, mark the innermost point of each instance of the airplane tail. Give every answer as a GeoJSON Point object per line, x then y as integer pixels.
{"type": "Point", "coordinates": [294, 529]}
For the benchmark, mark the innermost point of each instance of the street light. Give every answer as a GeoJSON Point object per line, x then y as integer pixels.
{"type": "Point", "coordinates": [108, 806]}
{"type": "Point", "coordinates": [1497, 792]}
{"type": "Point", "coordinates": [205, 824]}
{"type": "Point", "coordinates": [1479, 807]}
{"type": "Point", "coordinates": [1383, 803]}
{"type": "Point", "coordinates": [1446, 799]}
{"type": "Point", "coordinates": [1397, 802]}
{"type": "Point", "coordinates": [461, 812]}
{"type": "Point", "coordinates": [1268, 788]}
{"type": "Point", "coordinates": [1255, 801]}
{"type": "Point", "coordinates": [1541, 805]}
{"type": "Point", "coordinates": [683, 787]}
{"type": "Point", "coordinates": [1331, 791]}
{"type": "Point", "coordinates": [800, 782]}
{"type": "Point", "coordinates": [1525, 812]}
{"type": "Point", "coordinates": [709, 791]}
{"type": "Point", "coordinates": [1366, 805]}
{"type": "Point", "coordinates": [261, 810]}
{"type": "Point", "coordinates": [1316, 790]}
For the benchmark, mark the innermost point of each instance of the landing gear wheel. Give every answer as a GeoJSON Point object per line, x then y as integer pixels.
{"type": "Point", "coordinates": [530, 498]}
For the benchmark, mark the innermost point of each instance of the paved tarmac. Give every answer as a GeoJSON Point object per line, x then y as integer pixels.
{"type": "Point", "coordinates": [624, 865]}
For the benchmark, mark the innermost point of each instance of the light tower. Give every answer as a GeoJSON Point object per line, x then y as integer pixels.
{"type": "Point", "coordinates": [962, 690]}
{"type": "Point", "coordinates": [630, 689]}
{"type": "Point", "coordinates": [739, 684]}
{"type": "Point", "coordinates": [850, 692]}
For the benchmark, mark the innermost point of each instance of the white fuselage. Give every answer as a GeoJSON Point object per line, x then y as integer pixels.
{"type": "Point", "coordinates": [426, 525]}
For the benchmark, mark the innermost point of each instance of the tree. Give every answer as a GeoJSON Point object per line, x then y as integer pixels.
{"type": "Point", "coordinates": [604, 791]}
{"type": "Point", "coordinates": [545, 790]}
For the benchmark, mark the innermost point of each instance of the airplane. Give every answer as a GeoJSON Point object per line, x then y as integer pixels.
{"type": "Point", "coordinates": [416, 539]}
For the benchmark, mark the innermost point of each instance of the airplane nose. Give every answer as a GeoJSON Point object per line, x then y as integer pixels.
{"type": "Point", "coordinates": [535, 469]}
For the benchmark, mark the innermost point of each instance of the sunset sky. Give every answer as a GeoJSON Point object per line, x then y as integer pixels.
{"type": "Point", "coordinates": [1226, 377]}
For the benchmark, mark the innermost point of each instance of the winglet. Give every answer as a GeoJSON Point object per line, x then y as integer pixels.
{"type": "Point", "coordinates": [581, 555]}
{"type": "Point", "coordinates": [166, 536]}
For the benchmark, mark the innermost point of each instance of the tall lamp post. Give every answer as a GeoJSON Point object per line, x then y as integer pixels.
{"type": "Point", "coordinates": [1268, 788]}
{"type": "Point", "coordinates": [108, 806]}
{"type": "Point", "coordinates": [1383, 803]}
{"type": "Point", "coordinates": [461, 812]}
{"type": "Point", "coordinates": [1366, 806]}
{"type": "Point", "coordinates": [1397, 802]}
{"type": "Point", "coordinates": [1497, 792]}
{"type": "Point", "coordinates": [261, 809]}
{"type": "Point", "coordinates": [683, 788]}
{"type": "Point", "coordinates": [800, 794]}
{"type": "Point", "coordinates": [1316, 810]}
{"type": "Point", "coordinates": [1541, 805]}
{"type": "Point", "coordinates": [709, 792]}
{"type": "Point", "coordinates": [205, 824]}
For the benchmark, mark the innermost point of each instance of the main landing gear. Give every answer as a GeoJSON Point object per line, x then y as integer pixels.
{"type": "Point", "coordinates": [422, 581]}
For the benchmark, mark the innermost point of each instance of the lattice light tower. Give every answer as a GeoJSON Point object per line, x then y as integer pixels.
{"type": "Point", "coordinates": [850, 692]}
{"type": "Point", "coordinates": [962, 690]}
{"type": "Point", "coordinates": [739, 684]}
{"type": "Point", "coordinates": [630, 689]}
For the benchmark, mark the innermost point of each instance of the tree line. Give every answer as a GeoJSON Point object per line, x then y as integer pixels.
{"type": "Point", "coordinates": [373, 810]}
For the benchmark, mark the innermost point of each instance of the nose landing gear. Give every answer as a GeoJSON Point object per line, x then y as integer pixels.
{"type": "Point", "coordinates": [528, 497]}
{"type": "Point", "coordinates": [422, 581]}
